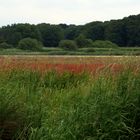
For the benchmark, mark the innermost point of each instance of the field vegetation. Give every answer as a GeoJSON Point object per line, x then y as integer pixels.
{"type": "Point", "coordinates": [69, 98]}
{"type": "Point", "coordinates": [135, 51]}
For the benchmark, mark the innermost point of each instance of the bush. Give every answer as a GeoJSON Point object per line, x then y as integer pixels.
{"type": "Point", "coordinates": [89, 43]}
{"type": "Point", "coordinates": [104, 44]}
{"type": "Point", "coordinates": [5, 45]}
{"type": "Point", "coordinates": [29, 44]}
{"type": "Point", "coordinates": [68, 45]}
{"type": "Point", "coordinates": [82, 41]}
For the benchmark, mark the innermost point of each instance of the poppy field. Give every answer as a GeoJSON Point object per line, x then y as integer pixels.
{"type": "Point", "coordinates": [69, 98]}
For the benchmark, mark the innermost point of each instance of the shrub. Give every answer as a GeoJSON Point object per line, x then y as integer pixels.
{"type": "Point", "coordinates": [68, 45]}
{"type": "Point", "coordinates": [29, 44]}
{"type": "Point", "coordinates": [104, 44]}
{"type": "Point", "coordinates": [5, 45]}
{"type": "Point", "coordinates": [89, 43]}
{"type": "Point", "coordinates": [82, 41]}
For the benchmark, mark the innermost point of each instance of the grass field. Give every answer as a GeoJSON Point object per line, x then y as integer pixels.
{"type": "Point", "coordinates": [81, 51]}
{"type": "Point", "coordinates": [69, 98]}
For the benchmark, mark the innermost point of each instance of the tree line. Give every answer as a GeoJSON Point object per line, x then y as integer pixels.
{"type": "Point", "coordinates": [123, 32]}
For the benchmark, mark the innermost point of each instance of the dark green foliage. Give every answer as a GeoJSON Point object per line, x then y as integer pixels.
{"type": "Point", "coordinates": [89, 43]}
{"type": "Point", "coordinates": [63, 26]}
{"type": "Point", "coordinates": [68, 45]}
{"type": "Point", "coordinates": [104, 44]}
{"type": "Point", "coordinates": [5, 45]}
{"type": "Point", "coordinates": [29, 44]}
{"type": "Point", "coordinates": [72, 32]}
{"type": "Point", "coordinates": [132, 27]}
{"type": "Point", "coordinates": [124, 32]}
{"type": "Point", "coordinates": [82, 41]}
{"type": "Point", "coordinates": [115, 31]}
{"type": "Point", "coordinates": [94, 30]}
{"type": "Point", "coordinates": [14, 33]}
{"type": "Point", "coordinates": [51, 34]}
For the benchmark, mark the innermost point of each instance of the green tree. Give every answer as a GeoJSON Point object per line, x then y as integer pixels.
{"type": "Point", "coordinates": [72, 31]}
{"type": "Point", "coordinates": [81, 40]}
{"type": "Point", "coordinates": [89, 43]}
{"type": "Point", "coordinates": [94, 30]}
{"type": "Point", "coordinates": [124, 32]}
{"type": "Point", "coordinates": [12, 34]}
{"type": "Point", "coordinates": [68, 45]}
{"type": "Point", "coordinates": [51, 34]}
{"type": "Point", "coordinates": [30, 44]}
{"type": "Point", "coordinates": [5, 45]}
{"type": "Point", "coordinates": [132, 25]}
{"type": "Point", "coordinates": [115, 31]}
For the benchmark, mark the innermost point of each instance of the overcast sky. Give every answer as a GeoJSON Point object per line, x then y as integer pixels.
{"type": "Point", "coordinates": [65, 11]}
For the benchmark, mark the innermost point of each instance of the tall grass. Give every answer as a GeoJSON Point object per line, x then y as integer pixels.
{"type": "Point", "coordinates": [69, 106]}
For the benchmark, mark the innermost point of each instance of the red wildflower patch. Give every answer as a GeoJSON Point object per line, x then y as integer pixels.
{"type": "Point", "coordinates": [8, 64]}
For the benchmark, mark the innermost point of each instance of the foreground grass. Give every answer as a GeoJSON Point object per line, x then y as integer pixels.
{"type": "Point", "coordinates": [69, 106]}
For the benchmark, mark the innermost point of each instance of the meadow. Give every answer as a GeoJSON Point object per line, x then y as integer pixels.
{"type": "Point", "coordinates": [135, 51]}
{"type": "Point", "coordinates": [69, 98]}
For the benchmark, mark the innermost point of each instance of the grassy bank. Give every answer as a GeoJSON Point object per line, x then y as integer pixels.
{"type": "Point", "coordinates": [70, 106]}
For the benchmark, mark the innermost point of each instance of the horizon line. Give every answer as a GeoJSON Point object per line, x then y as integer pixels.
{"type": "Point", "coordinates": [66, 23]}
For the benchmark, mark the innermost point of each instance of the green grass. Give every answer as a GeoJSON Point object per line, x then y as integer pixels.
{"type": "Point", "coordinates": [69, 106]}
{"type": "Point", "coordinates": [80, 51]}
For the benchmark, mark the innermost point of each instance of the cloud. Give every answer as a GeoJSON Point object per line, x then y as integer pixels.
{"type": "Point", "coordinates": [65, 11]}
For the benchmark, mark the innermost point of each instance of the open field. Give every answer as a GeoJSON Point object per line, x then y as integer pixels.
{"type": "Point", "coordinates": [69, 98]}
{"type": "Point", "coordinates": [81, 51]}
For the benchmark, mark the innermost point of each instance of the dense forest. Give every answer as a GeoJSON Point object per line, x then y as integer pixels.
{"type": "Point", "coordinates": [123, 32]}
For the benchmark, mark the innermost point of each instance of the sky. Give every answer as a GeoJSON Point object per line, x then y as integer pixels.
{"type": "Point", "coordinates": [65, 11]}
